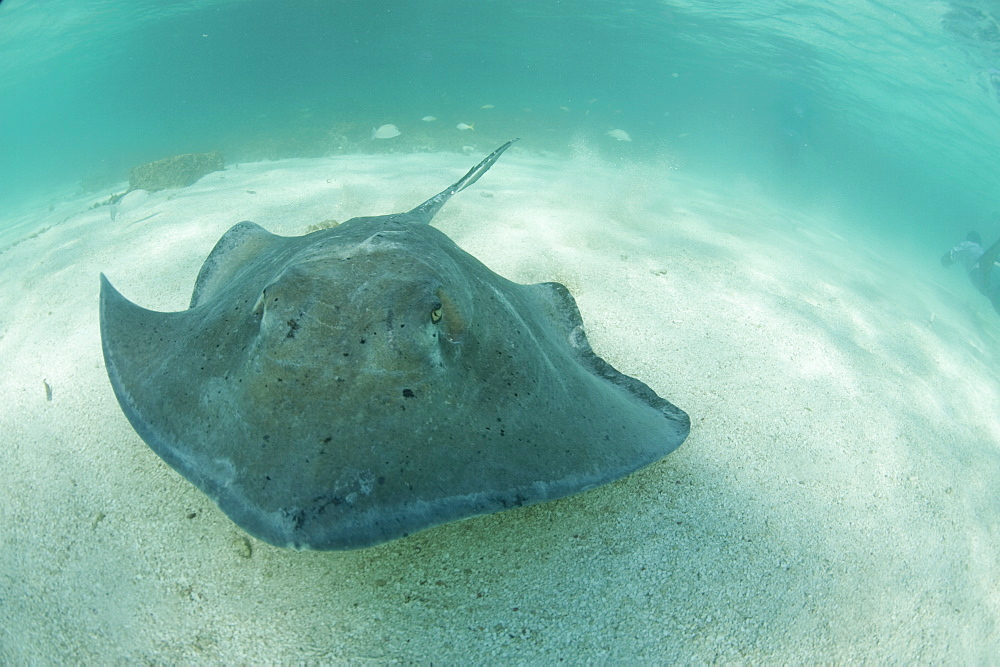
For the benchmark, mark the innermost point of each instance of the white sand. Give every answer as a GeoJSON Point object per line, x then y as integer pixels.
{"type": "Point", "coordinates": [836, 500]}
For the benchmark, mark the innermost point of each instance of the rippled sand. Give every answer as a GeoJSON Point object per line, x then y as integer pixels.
{"type": "Point", "coordinates": [836, 499]}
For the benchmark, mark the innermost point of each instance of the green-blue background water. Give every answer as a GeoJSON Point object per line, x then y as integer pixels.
{"type": "Point", "coordinates": [836, 498]}
{"type": "Point", "coordinates": [888, 109]}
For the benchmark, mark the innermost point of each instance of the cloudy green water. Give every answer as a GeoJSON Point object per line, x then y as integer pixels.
{"type": "Point", "coordinates": [887, 109]}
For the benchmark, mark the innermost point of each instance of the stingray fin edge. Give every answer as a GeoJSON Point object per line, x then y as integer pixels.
{"type": "Point", "coordinates": [564, 308]}
{"type": "Point", "coordinates": [231, 253]}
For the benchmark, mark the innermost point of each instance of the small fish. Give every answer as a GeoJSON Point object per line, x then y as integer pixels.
{"type": "Point", "coordinates": [487, 106]}
{"type": "Point", "coordinates": [387, 131]}
{"type": "Point", "coordinates": [620, 135]}
{"type": "Point", "coordinates": [564, 108]}
{"type": "Point", "coordinates": [463, 126]}
{"type": "Point", "coordinates": [48, 390]}
{"type": "Point", "coordinates": [429, 119]}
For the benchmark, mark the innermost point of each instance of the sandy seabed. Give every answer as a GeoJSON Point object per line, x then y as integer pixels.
{"type": "Point", "coordinates": [836, 499]}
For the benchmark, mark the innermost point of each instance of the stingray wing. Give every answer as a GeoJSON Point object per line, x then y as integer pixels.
{"type": "Point", "coordinates": [358, 384]}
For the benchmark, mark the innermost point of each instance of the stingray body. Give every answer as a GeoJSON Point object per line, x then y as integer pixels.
{"type": "Point", "coordinates": [357, 384]}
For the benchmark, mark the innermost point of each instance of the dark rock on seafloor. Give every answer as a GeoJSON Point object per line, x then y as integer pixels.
{"type": "Point", "coordinates": [178, 171]}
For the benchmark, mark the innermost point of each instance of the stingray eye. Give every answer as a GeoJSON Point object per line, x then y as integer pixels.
{"type": "Point", "coordinates": [436, 314]}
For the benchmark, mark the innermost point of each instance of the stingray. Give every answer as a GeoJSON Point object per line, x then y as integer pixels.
{"type": "Point", "coordinates": [358, 384]}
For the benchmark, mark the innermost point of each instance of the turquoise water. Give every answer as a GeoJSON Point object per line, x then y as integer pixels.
{"type": "Point", "coordinates": [763, 252]}
{"type": "Point", "coordinates": [888, 108]}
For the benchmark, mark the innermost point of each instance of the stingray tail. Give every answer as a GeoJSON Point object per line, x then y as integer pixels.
{"type": "Point", "coordinates": [424, 213]}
